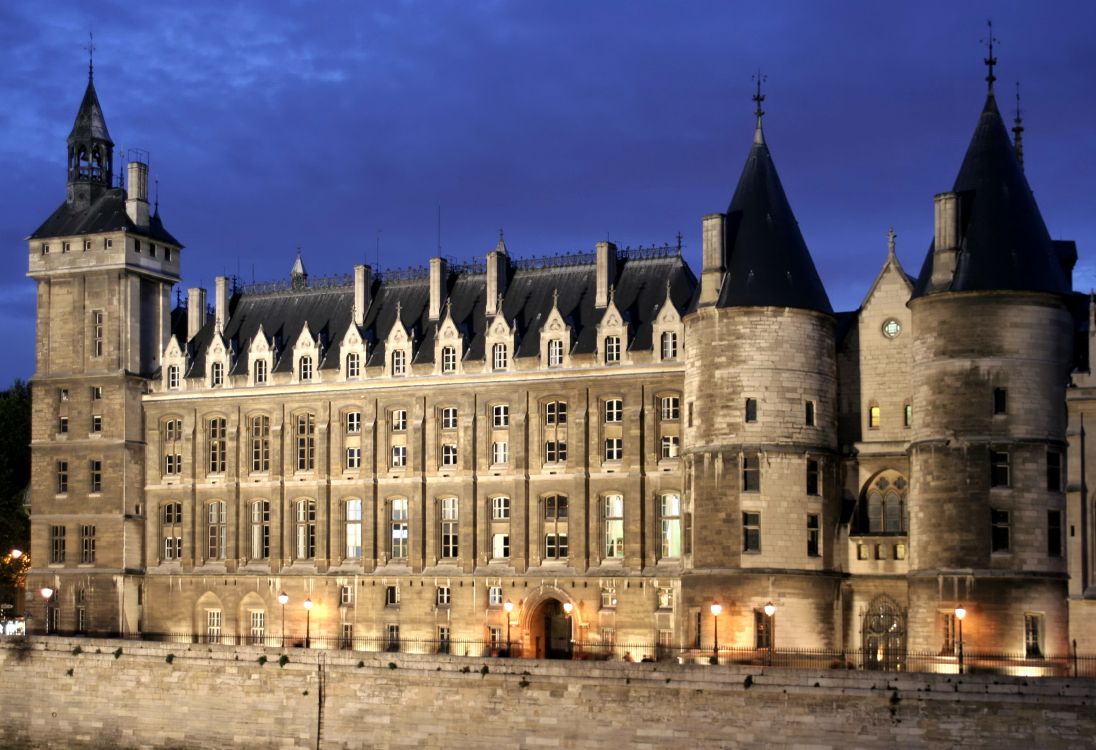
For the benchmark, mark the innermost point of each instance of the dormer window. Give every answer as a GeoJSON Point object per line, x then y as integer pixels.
{"type": "Point", "coordinates": [448, 359]}
{"type": "Point", "coordinates": [260, 371]}
{"type": "Point", "coordinates": [555, 353]}
{"type": "Point", "coordinates": [399, 363]}
{"type": "Point", "coordinates": [216, 375]}
{"type": "Point", "coordinates": [305, 369]}
{"type": "Point", "coordinates": [353, 365]}
{"type": "Point", "coordinates": [499, 356]}
{"type": "Point", "coordinates": [612, 350]}
{"type": "Point", "coordinates": [669, 345]}
{"type": "Point", "coordinates": [173, 377]}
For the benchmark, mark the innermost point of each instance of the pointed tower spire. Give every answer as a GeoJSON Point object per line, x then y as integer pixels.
{"type": "Point", "coordinates": [991, 60]}
{"type": "Point", "coordinates": [90, 149]}
{"type": "Point", "coordinates": [767, 262]}
{"type": "Point", "coordinates": [1018, 131]}
{"type": "Point", "coordinates": [501, 246]}
{"type": "Point", "coordinates": [91, 56]}
{"type": "Point", "coordinates": [298, 277]}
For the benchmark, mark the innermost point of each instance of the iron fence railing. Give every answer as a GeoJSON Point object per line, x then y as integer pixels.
{"type": "Point", "coordinates": [1070, 664]}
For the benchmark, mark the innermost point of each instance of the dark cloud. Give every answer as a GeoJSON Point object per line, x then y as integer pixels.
{"type": "Point", "coordinates": [273, 126]}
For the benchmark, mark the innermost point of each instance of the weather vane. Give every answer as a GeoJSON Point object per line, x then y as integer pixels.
{"type": "Point", "coordinates": [991, 60]}
{"type": "Point", "coordinates": [91, 55]}
{"type": "Point", "coordinates": [759, 97]}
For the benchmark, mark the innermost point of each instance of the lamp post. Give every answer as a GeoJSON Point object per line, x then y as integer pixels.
{"type": "Point", "coordinates": [283, 599]}
{"type": "Point", "coordinates": [567, 607]}
{"type": "Point", "coordinates": [508, 607]}
{"type": "Point", "coordinates": [47, 594]}
{"type": "Point", "coordinates": [770, 610]}
{"type": "Point", "coordinates": [717, 609]}
{"type": "Point", "coordinates": [308, 623]}
{"type": "Point", "coordinates": [960, 613]}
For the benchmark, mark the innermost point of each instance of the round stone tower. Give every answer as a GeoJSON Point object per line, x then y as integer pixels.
{"type": "Point", "coordinates": [760, 425]}
{"type": "Point", "coordinates": [991, 356]}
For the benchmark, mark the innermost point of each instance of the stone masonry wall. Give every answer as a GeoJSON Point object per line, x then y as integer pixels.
{"type": "Point", "coordinates": [220, 696]}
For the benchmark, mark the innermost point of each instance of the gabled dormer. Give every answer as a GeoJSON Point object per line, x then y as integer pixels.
{"type": "Point", "coordinates": [555, 338]}
{"type": "Point", "coordinates": [448, 345]}
{"type": "Point", "coordinates": [306, 357]}
{"type": "Point", "coordinates": [173, 370]}
{"type": "Point", "coordinates": [353, 351]}
{"type": "Point", "coordinates": [612, 334]}
{"type": "Point", "coordinates": [398, 347]}
{"type": "Point", "coordinates": [260, 359]}
{"type": "Point", "coordinates": [500, 342]}
{"type": "Point", "coordinates": [667, 331]}
{"type": "Point", "coordinates": [217, 361]}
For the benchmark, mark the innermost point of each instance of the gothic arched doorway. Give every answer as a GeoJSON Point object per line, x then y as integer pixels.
{"type": "Point", "coordinates": [884, 635]}
{"type": "Point", "coordinates": [550, 631]}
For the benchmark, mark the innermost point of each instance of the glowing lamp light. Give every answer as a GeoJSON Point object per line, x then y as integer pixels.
{"type": "Point", "coordinates": [307, 603]}
{"type": "Point", "coordinates": [508, 606]}
{"type": "Point", "coordinates": [770, 609]}
{"type": "Point", "coordinates": [47, 592]}
{"type": "Point", "coordinates": [283, 598]}
{"type": "Point", "coordinates": [16, 554]}
{"type": "Point", "coordinates": [717, 609]}
{"type": "Point", "coordinates": [567, 607]}
{"type": "Point", "coordinates": [960, 612]}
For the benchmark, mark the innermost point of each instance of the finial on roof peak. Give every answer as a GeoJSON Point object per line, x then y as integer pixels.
{"type": "Point", "coordinates": [501, 246]}
{"type": "Point", "coordinates": [555, 297]}
{"type": "Point", "coordinates": [1018, 130]}
{"type": "Point", "coordinates": [891, 235]}
{"type": "Point", "coordinates": [612, 294]}
{"type": "Point", "coordinates": [91, 56]}
{"type": "Point", "coordinates": [758, 98]}
{"type": "Point", "coordinates": [990, 61]}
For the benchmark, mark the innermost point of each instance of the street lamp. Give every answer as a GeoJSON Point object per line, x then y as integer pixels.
{"type": "Point", "coordinates": [717, 609]}
{"type": "Point", "coordinates": [283, 599]}
{"type": "Point", "coordinates": [308, 623]}
{"type": "Point", "coordinates": [770, 610]}
{"type": "Point", "coordinates": [16, 554]}
{"type": "Point", "coordinates": [47, 594]}
{"type": "Point", "coordinates": [960, 613]}
{"type": "Point", "coordinates": [509, 607]}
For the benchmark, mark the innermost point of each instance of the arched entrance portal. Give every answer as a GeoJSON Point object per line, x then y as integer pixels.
{"type": "Point", "coordinates": [550, 631]}
{"type": "Point", "coordinates": [884, 635]}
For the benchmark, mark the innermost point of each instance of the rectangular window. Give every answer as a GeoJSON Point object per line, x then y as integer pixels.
{"type": "Point", "coordinates": [450, 535]}
{"type": "Point", "coordinates": [499, 356]}
{"type": "Point", "coordinates": [614, 410]}
{"type": "Point", "coordinates": [217, 449]}
{"type": "Point", "coordinates": [173, 377]}
{"type": "Point", "coordinates": [353, 532]}
{"type": "Point", "coordinates": [399, 363]}
{"type": "Point", "coordinates": [670, 516]}
{"type": "Point", "coordinates": [443, 597]}
{"type": "Point", "coordinates": [260, 530]}
{"type": "Point", "coordinates": [500, 546]}
{"type": "Point", "coordinates": [813, 530]}
{"type": "Point", "coordinates": [907, 415]}
{"type": "Point", "coordinates": [353, 422]}
{"type": "Point", "coordinates": [751, 410]}
{"type": "Point", "coordinates": [449, 418]}
{"type": "Point", "coordinates": [751, 532]}
{"type": "Point", "coordinates": [217, 374]}
{"type": "Point", "coordinates": [392, 638]}
{"type": "Point", "coordinates": [665, 597]}
{"type": "Point", "coordinates": [87, 545]}
{"type": "Point", "coordinates": [555, 353]}
{"type": "Point", "coordinates": [1054, 533]}
{"type": "Point", "coordinates": [398, 420]}
{"type": "Point", "coordinates": [62, 394]}
{"type": "Point", "coordinates": [346, 596]}
{"type": "Point", "coordinates": [613, 525]}
{"type": "Point", "coordinates": [213, 626]}
{"type": "Point", "coordinates": [1000, 540]}
{"type": "Point", "coordinates": [353, 365]}
{"type": "Point", "coordinates": [96, 424]}
{"type": "Point", "coordinates": [257, 629]}
{"type": "Point", "coordinates": [62, 477]}
{"type": "Point", "coordinates": [500, 415]}
{"type": "Point", "coordinates": [391, 596]}
{"type": "Point", "coordinates": [494, 596]}
{"type": "Point", "coordinates": [670, 446]}
{"type": "Point", "coordinates": [398, 516]}
{"type": "Point", "coordinates": [449, 455]}
{"type": "Point", "coordinates": [260, 444]}
{"type": "Point", "coordinates": [62, 425]}
{"type": "Point", "coordinates": [260, 371]}
{"type": "Point", "coordinates": [555, 546]}
{"type": "Point", "coordinates": [353, 458]}
{"type": "Point", "coordinates": [612, 349]}
{"type": "Point", "coordinates": [555, 451]}
{"type": "Point", "coordinates": [97, 333]}
{"type": "Point", "coordinates": [56, 545]}
{"type": "Point", "coordinates": [669, 345]}
{"type": "Point", "coordinates": [1054, 470]}
{"type": "Point", "coordinates": [809, 414]}
{"type": "Point", "coordinates": [812, 476]}
{"type": "Point", "coordinates": [998, 469]}
{"type": "Point", "coordinates": [614, 449]}
{"type": "Point", "coordinates": [874, 417]}
{"type": "Point", "coordinates": [399, 456]}
{"type": "Point", "coordinates": [306, 442]}
{"type": "Point", "coordinates": [1000, 401]}
{"type": "Point", "coordinates": [95, 474]}
{"type": "Point", "coordinates": [97, 393]}
{"type": "Point", "coordinates": [751, 473]}
{"type": "Point", "coordinates": [900, 551]}
{"type": "Point", "coordinates": [448, 359]}
{"type": "Point", "coordinates": [608, 597]}
{"type": "Point", "coordinates": [1033, 636]}
{"type": "Point", "coordinates": [444, 643]}
{"type": "Point", "coordinates": [500, 452]}
{"type": "Point", "coordinates": [861, 552]}
{"type": "Point", "coordinates": [216, 531]}
{"type": "Point", "coordinates": [670, 408]}
{"type": "Point", "coordinates": [555, 412]}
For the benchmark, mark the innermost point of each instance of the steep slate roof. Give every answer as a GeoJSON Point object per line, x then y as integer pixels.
{"type": "Point", "coordinates": [107, 213]}
{"type": "Point", "coordinates": [640, 290]}
{"type": "Point", "coordinates": [767, 261]}
{"type": "Point", "coordinates": [90, 122]}
{"type": "Point", "coordinates": [1004, 243]}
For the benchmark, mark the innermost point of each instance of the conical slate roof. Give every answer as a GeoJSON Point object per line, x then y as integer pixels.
{"type": "Point", "coordinates": [1004, 244]}
{"type": "Point", "coordinates": [768, 264]}
{"type": "Point", "coordinates": [90, 122]}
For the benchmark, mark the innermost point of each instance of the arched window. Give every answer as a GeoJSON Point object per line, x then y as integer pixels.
{"type": "Point", "coordinates": [306, 529]}
{"type": "Point", "coordinates": [216, 530]}
{"type": "Point", "coordinates": [500, 357]}
{"type": "Point", "coordinates": [260, 530]}
{"type": "Point", "coordinates": [886, 504]}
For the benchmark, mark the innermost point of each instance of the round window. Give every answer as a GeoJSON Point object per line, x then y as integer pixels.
{"type": "Point", "coordinates": [892, 328]}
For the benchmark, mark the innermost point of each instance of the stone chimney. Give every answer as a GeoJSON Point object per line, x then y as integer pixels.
{"type": "Point", "coordinates": [498, 268]}
{"type": "Point", "coordinates": [945, 238]}
{"type": "Point", "coordinates": [137, 194]}
{"type": "Point", "coordinates": [220, 304]}
{"type": "Point", "coordinates": [195, 311]}
{"type": "Point", "coordinates": [712, 268]}
{"type": "Point", "coordinates": [363, 285]}
{"type": "Point", "coordinates": [439, 276]}
{"type": "Point", "coordinates": [606, 272]}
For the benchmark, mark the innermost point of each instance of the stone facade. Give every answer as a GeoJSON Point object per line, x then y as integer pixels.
{"type": "Point", "coordinates": [412, 454]}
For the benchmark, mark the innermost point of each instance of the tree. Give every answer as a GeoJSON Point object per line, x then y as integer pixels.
{"type": "Point", "coordinates": [14, 470]}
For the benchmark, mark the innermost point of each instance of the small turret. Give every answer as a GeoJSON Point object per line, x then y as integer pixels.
{"type": "Point", "coordinates": [90, 151]}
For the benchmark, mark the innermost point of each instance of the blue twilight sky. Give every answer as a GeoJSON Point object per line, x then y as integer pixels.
{"type": "Point", "coordinates": [328, 125]}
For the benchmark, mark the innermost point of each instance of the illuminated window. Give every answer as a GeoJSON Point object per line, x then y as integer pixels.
{"type": "Point", "coordinates": [613, 525]}
{"type": "Point", "coordinates": [873, 417]}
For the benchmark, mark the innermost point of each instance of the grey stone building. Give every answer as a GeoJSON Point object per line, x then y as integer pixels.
{"type": "Point", "coordinates": [584, 450]}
